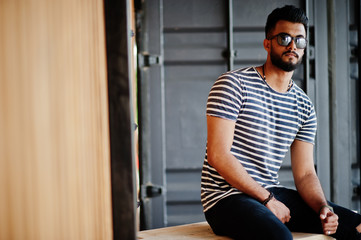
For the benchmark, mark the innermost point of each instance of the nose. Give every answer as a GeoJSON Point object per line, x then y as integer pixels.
{"type": "Point", "coordinates": [292, 45]}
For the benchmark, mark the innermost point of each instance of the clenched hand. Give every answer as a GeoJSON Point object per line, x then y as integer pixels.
{"type": "Point", "coordinates": [329, 221]}
{"type": "Point", "coordinates": [279, 209]}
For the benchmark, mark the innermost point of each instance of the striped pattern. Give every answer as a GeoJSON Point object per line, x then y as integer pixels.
{"type": "Point", "coordinates": [267, 122]}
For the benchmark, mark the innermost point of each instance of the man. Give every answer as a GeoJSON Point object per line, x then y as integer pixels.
{"type": "Point", "coordinates": [254, 115]}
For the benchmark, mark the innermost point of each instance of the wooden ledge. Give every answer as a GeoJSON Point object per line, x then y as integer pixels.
{"type": "Point", "coordinates": [202, 230]}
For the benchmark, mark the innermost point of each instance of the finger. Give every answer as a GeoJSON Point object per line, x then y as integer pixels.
{"type": "Point", "coordinates": [332, 221]}
{"type": "Point", "coordinates": [331, 217]}
{"type": "Point", "coordinates": [325, 212]}
{"type": "Point", "coordinates": [332, 224]}
{"type": "Point", "coordinates": [329, 229]}
{"type": "Point", "coordinates": [334, 217]}
{"type": "Point", "coordinates": [281, 218]}
{"type": "Point", "coordinates": [286, 219]}
{"type": "Point", "coordinates": [332, 229]}
{"type": "Point", "coordinates": [323, 216]}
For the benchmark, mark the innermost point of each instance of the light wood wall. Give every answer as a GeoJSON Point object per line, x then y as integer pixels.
{"type": "Point", "coordinates": [54, 127]}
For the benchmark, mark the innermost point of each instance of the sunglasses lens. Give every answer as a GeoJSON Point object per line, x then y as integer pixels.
{"type": "Point", "coordinates": [301, 43]}
{"type": "Point", "coordinates": [284, 39]}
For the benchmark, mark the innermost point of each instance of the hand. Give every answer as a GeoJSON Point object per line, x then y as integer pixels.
{"type": "Point", "coordinates": [329, 221]}
{"type": "Point", "coordinates": [279, 209]}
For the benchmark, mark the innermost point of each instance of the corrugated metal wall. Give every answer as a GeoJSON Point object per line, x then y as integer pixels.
{"type": "Point", "coordinates": [194, 40]}
{"type": "Point", "coordinates": [189, 43]}
{"type": "Point", "coordinates": [354, 66]}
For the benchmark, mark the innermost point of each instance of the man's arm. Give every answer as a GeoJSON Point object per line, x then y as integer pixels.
{"type": "Point", "coordinates": [219, 143]}
{"type": "Point", "coordinates": [309, 186]}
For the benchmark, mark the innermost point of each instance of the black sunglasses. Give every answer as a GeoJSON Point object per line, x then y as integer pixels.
{"type": "Point", "coordinates": [285, 39]}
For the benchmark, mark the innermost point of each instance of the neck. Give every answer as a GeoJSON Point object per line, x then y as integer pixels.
{"type": "Point", "coordinates": [276, 78]}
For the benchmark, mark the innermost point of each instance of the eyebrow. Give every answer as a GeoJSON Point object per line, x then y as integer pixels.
{"type": "Point", "coordinates": [300, 35]}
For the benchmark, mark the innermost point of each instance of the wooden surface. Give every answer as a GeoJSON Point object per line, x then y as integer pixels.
{"type": "Point", "coordinates": [54, 122]}
{"type": "Point", "coordinates": [203, 231]}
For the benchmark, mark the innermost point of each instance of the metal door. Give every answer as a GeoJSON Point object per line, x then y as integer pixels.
{"type": "Point", "coordinates": [151, 115]}
{"type": "Point", "coordinates": [181, 55]}
{"type": "Point", "coordinates": [344, 50]}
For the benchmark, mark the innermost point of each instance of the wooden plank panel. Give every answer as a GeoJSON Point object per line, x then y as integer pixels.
{"type": "Point", "coordinates": [202, 230]}
{"type": "Point", "coordinates": [54, 141]}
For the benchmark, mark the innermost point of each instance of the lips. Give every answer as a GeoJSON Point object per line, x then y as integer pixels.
{"type": "Point", "coordinates": [291, 54]}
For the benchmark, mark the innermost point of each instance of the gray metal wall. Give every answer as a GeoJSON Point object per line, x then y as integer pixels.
{"type": "Point", "coordinates": [355, 89]}
{"type": "Point", "coordinates": [185, 45]}
{"type": "Point", "coordinates": [194, 39]}
{"type": "Point", "coordinates": [344, 53]}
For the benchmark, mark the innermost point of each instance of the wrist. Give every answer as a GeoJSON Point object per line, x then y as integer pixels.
{"type": "Point", "coordinates": [269, 198]}
{"type": "Point", "coordinates": [325, 206]}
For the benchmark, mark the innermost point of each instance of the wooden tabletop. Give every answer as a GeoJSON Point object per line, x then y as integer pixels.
{"type": "Point", "coordinates": [202, 230]}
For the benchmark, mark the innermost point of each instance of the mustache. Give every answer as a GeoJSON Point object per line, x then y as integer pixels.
{"type": "Point", "coordinates": [289, 51]}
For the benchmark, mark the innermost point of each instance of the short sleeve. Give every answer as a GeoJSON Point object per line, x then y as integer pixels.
{"type": "Point", "coordinates": [307, 131]}
{"type": "Point", "coordinates": [224, 99]}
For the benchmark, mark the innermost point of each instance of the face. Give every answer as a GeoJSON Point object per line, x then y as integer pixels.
{"type": "Point", "coordinates": [288, 57]}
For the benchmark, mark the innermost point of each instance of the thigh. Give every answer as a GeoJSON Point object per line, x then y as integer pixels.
{"type": "Point", "coordinates": [242, 217]}
{"type": "Point", "coordinates": [304, 219]}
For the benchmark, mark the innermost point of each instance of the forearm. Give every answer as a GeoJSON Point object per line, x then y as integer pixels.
{"type": "Point", "coordinates": [306, 180]}
{"type": "Point", "coordinates": [310, 189]}
{"type": "Point", "coordinates": [236, 175]}
{"type": "Point", "coordinates": [219, 144]}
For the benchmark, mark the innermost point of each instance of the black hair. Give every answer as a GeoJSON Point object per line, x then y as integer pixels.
{"type": "Point", "coordinates": [288, 13]}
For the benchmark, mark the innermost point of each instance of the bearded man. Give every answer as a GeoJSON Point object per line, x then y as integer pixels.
{"type": "Point", "coordinates": [254, 115]}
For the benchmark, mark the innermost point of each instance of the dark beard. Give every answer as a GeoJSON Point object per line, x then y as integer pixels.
{"type": "Point", "coordinates": [285, 66]}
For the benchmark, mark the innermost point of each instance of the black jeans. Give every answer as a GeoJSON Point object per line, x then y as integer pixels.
{"type": "Point", "coordinates": [242, 217]}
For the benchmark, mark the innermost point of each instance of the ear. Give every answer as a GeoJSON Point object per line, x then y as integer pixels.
{"type": "Point", "coordinates": [267, 44]}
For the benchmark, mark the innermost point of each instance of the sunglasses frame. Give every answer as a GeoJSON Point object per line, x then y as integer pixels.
{"type": "Point", "coordinates": [279, 40]}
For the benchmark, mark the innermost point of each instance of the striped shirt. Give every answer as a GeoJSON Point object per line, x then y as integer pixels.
{"type": "Point", "coordinates": [266, 124]}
